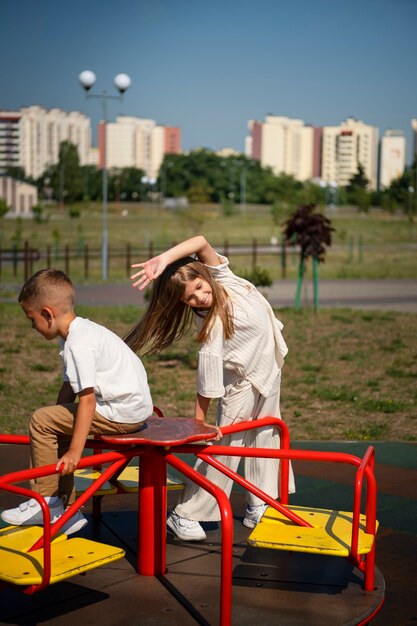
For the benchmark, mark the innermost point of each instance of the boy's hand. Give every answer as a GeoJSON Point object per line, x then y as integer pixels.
{"type": "Point", "coordinates": [67, 464]}
{"type": "Point", "coordinates": [151, 270]}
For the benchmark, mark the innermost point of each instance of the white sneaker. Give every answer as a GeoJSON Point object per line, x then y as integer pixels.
{"type": "Point", "coordinates": [185, 529]}
{"type": "Point", "coordinates": [74, 524]}
{"type": "Point", "coordinates": [253, 515]}
{"type": "Point", "coordinates": [30, 513]}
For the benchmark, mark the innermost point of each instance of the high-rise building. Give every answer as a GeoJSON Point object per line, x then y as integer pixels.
{"type": "Point", "coordinates": [286, 145]}
{"type": "Point", "coordinates": [414, 129]}
{"type": "Point", "coordinates": [10, 140]}
{"type": "Point", "coordinates": [138, 142]}
{"type": "Point", "coordinates": [347, 146]}
{"type": "Point", "coordinates": [30, 138]}
{"type": "Point", "coordinates": [391, 157]}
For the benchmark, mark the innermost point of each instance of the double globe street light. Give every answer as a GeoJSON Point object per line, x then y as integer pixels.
{"type": "Point", "coordinates": [122, 82]}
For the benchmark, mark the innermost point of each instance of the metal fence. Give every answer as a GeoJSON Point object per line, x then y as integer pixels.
{"type": "Point", "coordinates": [17, 263]}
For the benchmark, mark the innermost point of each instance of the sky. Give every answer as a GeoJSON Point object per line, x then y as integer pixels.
{"type": "Point", "coordinates": [209, 66]}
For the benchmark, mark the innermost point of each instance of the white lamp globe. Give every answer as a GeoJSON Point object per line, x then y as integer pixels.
{"type": "Point", "coordinates": [87, 79]}
{"type": "Point", "coordinates": [122, 82]}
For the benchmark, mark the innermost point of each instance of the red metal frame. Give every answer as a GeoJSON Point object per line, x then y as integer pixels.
{"type": "Point", "coordinates": [156, 454]}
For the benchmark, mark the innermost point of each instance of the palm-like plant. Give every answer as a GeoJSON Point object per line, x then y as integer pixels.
{"type": "Point", "coordinates": [312, 231]}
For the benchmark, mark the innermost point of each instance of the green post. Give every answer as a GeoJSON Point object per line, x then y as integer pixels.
{"type": "Point", "coordinates": [351, 244]}
{"type": "Point", "coordinates": [299, 283]}
{"type": "Point", "coordinates": [316, 283]}
{"type": "Point", "coordinates": [283, 259]}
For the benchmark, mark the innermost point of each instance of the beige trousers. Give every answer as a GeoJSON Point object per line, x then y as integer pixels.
{"type": "Point", "coordinates": [242, 402]}
{"type": "Point", "coordinates": [50, 430]}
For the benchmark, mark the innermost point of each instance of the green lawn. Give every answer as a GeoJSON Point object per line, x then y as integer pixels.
{"type": "Point", "coordinates": [348, 375]}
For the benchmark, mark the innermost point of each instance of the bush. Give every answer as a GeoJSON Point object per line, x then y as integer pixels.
{"type": "Point", "coordinates": [257, 276]}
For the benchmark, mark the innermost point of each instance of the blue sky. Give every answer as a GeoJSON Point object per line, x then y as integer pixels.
{"type": "Point", "coordinates": [209, 66]}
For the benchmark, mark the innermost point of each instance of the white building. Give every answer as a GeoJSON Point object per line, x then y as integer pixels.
{"type": "Point", "coordinates": [138, 142]}
{"type": "Point", "coordinates": [20, 197]}
{"type": "Point", "coordinates": [392, 157]}
{"type": "Point", "coordinates": [30, 138]}
{"type": "Point", "coordinates": [414, 129]}
{"type": "Point", "coordinates": [346, 146]}
{"type": "Point", "coordinates": [284, 144]}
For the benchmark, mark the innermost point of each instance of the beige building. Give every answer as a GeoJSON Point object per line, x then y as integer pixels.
{"type": "Point", "coordinates": [346, 146]}
{"type": "Point", "coordinates": [30, 138]}
{"type": "Point", "coordinates": [392, 157]}
{"type": "Point", "coordinates": [138, 142]}
{"type": "Point", "coordinates": [284, 144]}
{"type": "Point", "coordinates": [20, 197]}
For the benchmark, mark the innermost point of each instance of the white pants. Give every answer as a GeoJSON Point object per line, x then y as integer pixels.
{"type": "Point", "coordinates": [242, 402]}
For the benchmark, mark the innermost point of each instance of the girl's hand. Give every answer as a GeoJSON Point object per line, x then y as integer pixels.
{"type": "Point", "coordinates": [219, 433]}
{"type": "Point", "coordinates": [150, 270]}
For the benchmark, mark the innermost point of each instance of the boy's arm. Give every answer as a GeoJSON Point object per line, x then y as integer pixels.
{"type": "Point", "coordinates": [154, 267]}
{"type": "Point", "coordinates": [66, 395]}
{"type": "Point", "coordinates": [85, 414]}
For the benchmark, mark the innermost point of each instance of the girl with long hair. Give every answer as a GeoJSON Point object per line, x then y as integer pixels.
{"type": "Point", "coordinates": [239, 363]}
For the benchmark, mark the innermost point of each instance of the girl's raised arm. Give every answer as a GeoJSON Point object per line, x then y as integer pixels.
{"type": "Point", "coordinates": [154, 267]}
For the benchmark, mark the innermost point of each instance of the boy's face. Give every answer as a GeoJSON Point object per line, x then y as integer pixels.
{"type": "Point", "coordinates": [43, 320]}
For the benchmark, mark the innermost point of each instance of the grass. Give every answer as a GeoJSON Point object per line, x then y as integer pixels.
{"type": "Point", "coordinates": [373, 245]}
{"type": "Point", "coordinates": [348, 375]}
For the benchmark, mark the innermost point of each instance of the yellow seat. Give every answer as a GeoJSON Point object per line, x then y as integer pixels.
{"type": "Point", "coordinates": [129, 479]}
{"type": "Point", "coordinates": [84, 478]}
{"type": "Point", "coordinates": [331, 533]}
{"type": "Point", "coordinates": [22, 537]}
{"type": "Point", "coordinates": [68, 558]}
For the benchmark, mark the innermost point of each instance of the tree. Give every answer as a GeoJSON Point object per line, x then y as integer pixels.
{"type": "Point", "coordinates": [403, 191]}
{"type": "Point", "coordinates": [4, 208]}
{"type": "Point", "coordinates": [311, 231]}
{"type": "Point", "coordinates": [66, 176]}
{"type": "Point", "coordinates": [125, 183]}
{"type": "Point", "coordinates": [357, 189]}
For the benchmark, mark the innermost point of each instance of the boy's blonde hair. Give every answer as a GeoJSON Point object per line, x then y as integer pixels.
{"type": "Point", "coordinates": [168, 318]}
{"type": "Point", "coordinates": [48, 287]}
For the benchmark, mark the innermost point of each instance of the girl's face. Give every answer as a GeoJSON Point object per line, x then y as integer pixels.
{"type": "Point", "coordinates": [198, 294]}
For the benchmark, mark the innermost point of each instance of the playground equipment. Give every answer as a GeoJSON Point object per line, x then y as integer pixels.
{"type": "Point", "coordinates": [285, 527]}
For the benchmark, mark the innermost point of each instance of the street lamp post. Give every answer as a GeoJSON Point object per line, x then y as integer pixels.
{"type": "Point", "coordinates": [122, 82]}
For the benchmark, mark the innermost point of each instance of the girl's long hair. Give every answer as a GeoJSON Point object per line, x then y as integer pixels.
{"type": "Point", "coordinates": [168, 318]}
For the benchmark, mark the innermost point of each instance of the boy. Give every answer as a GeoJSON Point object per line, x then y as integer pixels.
{"type": "Point", "coordinates": [106, 375]}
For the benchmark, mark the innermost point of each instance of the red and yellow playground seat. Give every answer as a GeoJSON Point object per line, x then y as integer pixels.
{"type": "Point", "coordinates": [326, 531]}
{"type": "Point", "coordinates": [68, 557]}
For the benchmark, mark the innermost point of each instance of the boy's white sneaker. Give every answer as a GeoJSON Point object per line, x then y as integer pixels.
{"type": "Point", "coordinates": [29, 513]}
{"type": "Point", "coordinates": [185, 529]}
{"type": "Point", "coordinates": [253, 515]}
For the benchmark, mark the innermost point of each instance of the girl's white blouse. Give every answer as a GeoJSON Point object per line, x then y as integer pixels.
{"type": "Point", "coordinates": [257, 349]}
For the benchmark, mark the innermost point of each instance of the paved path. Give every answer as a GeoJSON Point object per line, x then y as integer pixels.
{"type": "Point", "coordinates": [389, 295]}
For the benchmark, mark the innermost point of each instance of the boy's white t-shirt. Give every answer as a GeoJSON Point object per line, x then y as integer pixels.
{"type": "Point", "coordinates": [94, 356]}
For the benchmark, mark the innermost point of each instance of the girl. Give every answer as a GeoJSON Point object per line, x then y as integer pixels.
{"type": "Point", "coordinates": [239, 362]}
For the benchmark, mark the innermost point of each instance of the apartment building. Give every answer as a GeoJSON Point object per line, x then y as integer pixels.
{"type": "Point", "coordinates": [10, 140]}
{"type": "Point", "coordinates": [20, 197]}
{"type": "Point", "coordinates": [137, 142]}
{"type": "Point", "coordinates": [414, 129]}
{"type": "Point", "coordinates": [30, 138]}
{"type": "Point", "coordinates": [391, 157]}
{"type": "Point", "coordinates": [346, 146]}
{"type": "Point", "coordinates": [288, 146]}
